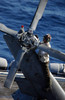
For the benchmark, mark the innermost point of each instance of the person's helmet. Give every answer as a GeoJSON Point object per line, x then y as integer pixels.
{"type": "Point", "coordinates": [47, 38]}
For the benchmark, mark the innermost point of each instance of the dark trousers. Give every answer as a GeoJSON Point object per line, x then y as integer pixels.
{"type": "Point", "coordinates": [45, 69]}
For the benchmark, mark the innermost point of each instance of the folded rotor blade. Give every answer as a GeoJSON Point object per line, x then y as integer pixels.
{"type": "Point", "coordinates": [38, 14]}
{"type": "Point", "coordinates": [7, 30]}
{"type": "Point", "coordinates": [15, 66]}
{"type": "Point", "coordinates": [54, 53]}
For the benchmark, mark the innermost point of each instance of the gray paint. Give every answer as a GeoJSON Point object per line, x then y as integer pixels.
{"type": "Point", "coordinates": [38, 14]}
{"type": "Point", "coordinates": [54, 53]}
{"type": "Point", "coordinates": [7, 30]}
{"type": "Point", "coordinates": [32, 70]}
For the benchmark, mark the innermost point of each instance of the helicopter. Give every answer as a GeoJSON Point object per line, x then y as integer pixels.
{"type": "Point", "coordinates": [25, 44]}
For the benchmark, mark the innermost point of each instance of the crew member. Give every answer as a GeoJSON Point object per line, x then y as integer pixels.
{"type": "Point", "coordinates": [44, 59]}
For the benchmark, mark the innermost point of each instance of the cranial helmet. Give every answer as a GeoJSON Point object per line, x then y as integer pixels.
{"type": "Point", "coordinates": [47, 38]}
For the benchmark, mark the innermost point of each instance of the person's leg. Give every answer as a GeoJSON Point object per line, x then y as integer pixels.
{"type": "Point", "coordinates": [45, 69]}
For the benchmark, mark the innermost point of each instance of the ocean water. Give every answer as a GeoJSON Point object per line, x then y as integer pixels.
{"type": "Point", "coordinates": [14, 13]}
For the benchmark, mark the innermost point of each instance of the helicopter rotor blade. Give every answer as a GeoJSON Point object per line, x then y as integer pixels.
{"type": "Point", "coordinates": [14, 67]}
{"type": "Point", "coordinates": [7, 30]}
{"type": "Point", "coordinates": [38, 14]}
{"type": "Point", "coordinates": [52, 52]}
